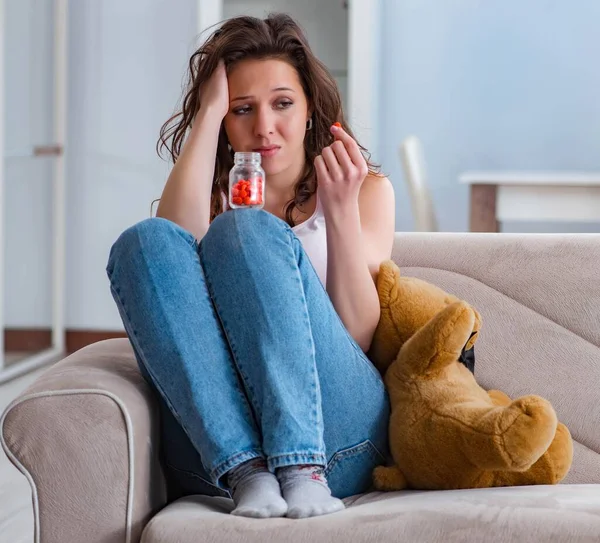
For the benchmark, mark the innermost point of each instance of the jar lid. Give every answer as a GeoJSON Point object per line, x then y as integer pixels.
{"type": "Point", "coordinates": [246, 157]}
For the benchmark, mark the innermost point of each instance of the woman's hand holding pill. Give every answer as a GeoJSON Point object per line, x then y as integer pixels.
{"type": "Point", "coordinates": [341, 170]}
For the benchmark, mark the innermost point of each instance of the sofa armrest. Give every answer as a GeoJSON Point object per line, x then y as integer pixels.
{"type": "Point", "coordinates": [539, 298]}
{"type": "Point", "coordinates": [85, 435]}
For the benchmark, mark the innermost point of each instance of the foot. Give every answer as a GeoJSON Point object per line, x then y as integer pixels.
{"type": "Point", "coordinates": [306, 492]}
{"type": "Point", "coordinates": [256, 491]}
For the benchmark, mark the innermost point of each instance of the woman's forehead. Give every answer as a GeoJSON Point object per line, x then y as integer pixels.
{"type": "Point", "coordinates": [264, 74]}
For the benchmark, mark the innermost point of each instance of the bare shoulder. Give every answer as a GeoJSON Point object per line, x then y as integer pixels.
{"type": "Point", "coordinates": [376, 198]}
{"type": "Point", "coordinates": [377, 209]}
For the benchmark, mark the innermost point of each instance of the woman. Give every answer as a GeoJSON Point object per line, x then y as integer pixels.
{"type": "Point", "coordinates": [252, 324]}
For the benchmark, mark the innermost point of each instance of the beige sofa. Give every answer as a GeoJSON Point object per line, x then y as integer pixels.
{"type": "Point", "coordinates": [85, 434]}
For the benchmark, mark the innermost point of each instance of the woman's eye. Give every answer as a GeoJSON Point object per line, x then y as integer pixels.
{"type": "Point", "coordinates": [284, 104]}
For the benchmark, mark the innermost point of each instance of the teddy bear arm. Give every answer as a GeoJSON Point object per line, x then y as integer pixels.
{"type": "Point", "coordinates": [550, 469]}
{"type": "Point", "coordinates": [437, 344]}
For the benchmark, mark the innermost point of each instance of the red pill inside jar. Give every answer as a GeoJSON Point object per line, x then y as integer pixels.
{"type": "Point", "coordinates": [246, 180]}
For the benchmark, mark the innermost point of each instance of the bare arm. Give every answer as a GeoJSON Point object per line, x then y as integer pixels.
{"type": "Point", "coordinates": [186, 197]}
{"type": "Point", "coordinates": [360, 219]}
{"type": "Point", "coordinates": [358, 240]}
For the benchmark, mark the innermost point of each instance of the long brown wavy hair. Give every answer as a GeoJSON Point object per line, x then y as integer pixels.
{"type": "Point", "coordinates": [276, 37]}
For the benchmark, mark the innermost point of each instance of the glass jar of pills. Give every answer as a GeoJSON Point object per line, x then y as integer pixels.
{"type": "Point", "coordinates": [246, 181]}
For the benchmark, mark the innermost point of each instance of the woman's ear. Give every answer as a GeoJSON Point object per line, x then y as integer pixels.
{"type": "Point", "coordinates": [309, 111]}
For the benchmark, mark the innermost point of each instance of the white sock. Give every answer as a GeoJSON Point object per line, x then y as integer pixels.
{"type": "Point", "coordinates": [306, 492]}
{"type": "Point", "coordinates": [256, 491]}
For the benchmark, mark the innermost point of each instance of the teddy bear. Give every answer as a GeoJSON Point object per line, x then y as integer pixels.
{"type": "Point", "coordinates": [445, 431]}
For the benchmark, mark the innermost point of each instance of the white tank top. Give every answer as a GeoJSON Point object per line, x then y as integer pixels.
{"type": "Point", "coordinates": [312, 235]}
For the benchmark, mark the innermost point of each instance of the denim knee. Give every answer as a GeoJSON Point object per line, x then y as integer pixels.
{"type": "Point", "coordinates": [249, 223]}
{"type": "Point", "coordinates": [149, 235]}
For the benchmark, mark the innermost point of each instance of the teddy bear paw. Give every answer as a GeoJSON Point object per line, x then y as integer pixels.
{"type": "Point", "coordinates": [528, 426]}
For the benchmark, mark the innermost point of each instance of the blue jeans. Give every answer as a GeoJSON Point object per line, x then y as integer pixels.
{"type": "Point", "coordinates": [247, 354]}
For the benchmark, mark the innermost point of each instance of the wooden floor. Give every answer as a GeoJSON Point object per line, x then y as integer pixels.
{"type": "Point", "coordinates": [16, 512]}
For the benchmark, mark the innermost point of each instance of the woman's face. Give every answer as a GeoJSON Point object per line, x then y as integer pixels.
{"type": "Point", "coordinates": [268, 112]}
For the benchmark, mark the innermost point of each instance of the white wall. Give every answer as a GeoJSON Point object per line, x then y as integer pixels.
{"type": "Point", "coordinates": [489, 84]}
{"type": "Point", "coordinates": [127, 62]}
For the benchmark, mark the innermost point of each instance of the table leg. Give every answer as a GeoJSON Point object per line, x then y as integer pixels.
{"type": "Point", "coordinates": [483, 209]}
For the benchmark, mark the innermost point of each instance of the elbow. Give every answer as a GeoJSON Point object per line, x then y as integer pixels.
{"type": "Point", "coordinates": [365, 345]}
{"type": "Point", "coordinates": [365, 342]}
{"type": "Point", "coordinates": [364, 338]}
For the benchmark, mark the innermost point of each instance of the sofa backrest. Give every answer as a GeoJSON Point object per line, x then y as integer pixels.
{"type": "Point", "coordinates": [539, 298]}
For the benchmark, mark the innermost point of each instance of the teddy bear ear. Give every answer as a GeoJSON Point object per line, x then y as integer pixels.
{"type": "Point", "coordinates": [476, 329]}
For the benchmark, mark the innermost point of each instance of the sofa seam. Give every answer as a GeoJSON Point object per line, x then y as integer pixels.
{"type": "Point", "coordinates": [27, 474]}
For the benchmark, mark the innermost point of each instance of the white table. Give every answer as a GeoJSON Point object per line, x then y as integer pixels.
{"type": "Point", "coordinates": [497, 196]}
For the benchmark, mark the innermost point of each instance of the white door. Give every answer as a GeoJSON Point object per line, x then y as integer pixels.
{"type": "Point", "coordinates": [32, 121]}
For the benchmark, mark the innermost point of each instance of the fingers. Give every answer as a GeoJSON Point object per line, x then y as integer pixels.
{"type": "Point", "coordinates": [342, 156]}
{"type": "Point", "coordinates": [351, 147]}
{"type": "Point", "coordinates": [333, 163]}
{"type": "Point", "coordinates": [342, 160]}
{"type": "Point", "coordinates": [320, 168]}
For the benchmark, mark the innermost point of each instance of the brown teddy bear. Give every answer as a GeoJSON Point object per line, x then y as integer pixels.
{"type": "Point", "coordinates": [446, 432]}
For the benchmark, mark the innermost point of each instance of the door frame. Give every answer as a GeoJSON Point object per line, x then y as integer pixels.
{"type": "Point", "coordinates": [55, 148]}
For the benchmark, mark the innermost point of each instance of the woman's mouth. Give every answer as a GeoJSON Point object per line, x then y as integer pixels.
{"type": "Point", "coordinates": [267, 151]}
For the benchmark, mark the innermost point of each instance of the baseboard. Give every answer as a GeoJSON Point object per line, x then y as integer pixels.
{"type": "Point", "coordinates": [27, 339]}
{"type": "Point", "coordinates": [38, 339]}
{"type": "Point", "coordinates": [77, 339]}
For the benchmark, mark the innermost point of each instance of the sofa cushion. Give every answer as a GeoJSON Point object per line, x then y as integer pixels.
{"type": "Point", "coordinates": [499, 515]}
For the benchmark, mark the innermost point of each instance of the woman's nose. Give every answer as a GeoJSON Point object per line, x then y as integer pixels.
{"type": "Point", "coordinates": [264, 122]}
